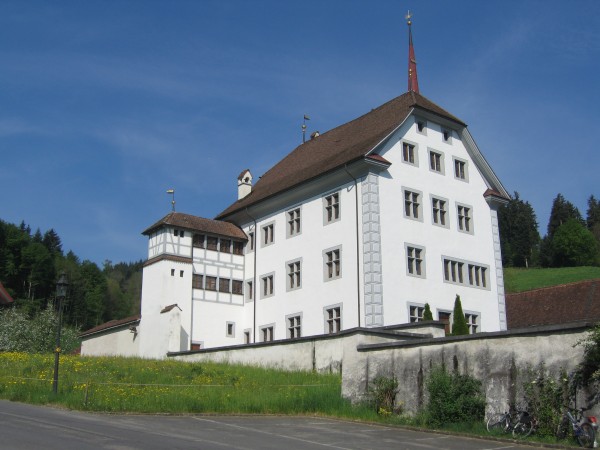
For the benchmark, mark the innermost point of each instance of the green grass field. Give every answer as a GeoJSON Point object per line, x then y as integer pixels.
{"type": "Point", "coordinates": [519, 280]}
{"type": "Point", "coordinates": [149, 386]}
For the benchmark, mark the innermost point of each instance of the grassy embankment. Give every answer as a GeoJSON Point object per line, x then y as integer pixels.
{"type": "Point", "coordinates": [519, 280]}
{"type": "Point", "coordinates": [138, 385]}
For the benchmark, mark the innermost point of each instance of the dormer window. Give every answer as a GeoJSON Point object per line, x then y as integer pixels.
{"type": "Point", "coordinates": [447, 135]}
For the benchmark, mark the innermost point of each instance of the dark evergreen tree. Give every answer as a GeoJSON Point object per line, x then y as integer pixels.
{"type": "Point", "coordinates": [519, 234]}
{"type": "Point", "coordinates": [459, 322]}
{"type": "Point", "coordinates": [52, 242]}
{"type": "Point", "coordinates": [593, 217]}
{"type": "Point", "coordinates": [427, 315]}
{"type": "Point", "coordinates": [562, 210]}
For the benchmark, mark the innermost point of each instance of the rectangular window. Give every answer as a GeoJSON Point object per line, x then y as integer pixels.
{"type": "Point", "coordinates": [412, 204]}
{"type": "Point", "coordinates": [293, 272]}
{"type": "Point", "coordinates": [333, 267]}
{"type": "Point", "coordinates": [333, 319]}
{"type": "Point", "coordinates": [414, 260]}
{"type": "Point", "coordinates": [435, 162]}
{"type": "Point", "coordinates": [212, 243]}
{"type": "Point", "coordinates": [238, 248]}
{"type": "Point", "coordinates": [181, 273]}
{"type": "Point", "coordinates": [237, 287]}
{"type": "Point", "coordinates": [293, 219]}
{"type": "Point", "coordinates": [230, 329]}
{"type": "Point", "coordinates": [225, 246]}
{"type": "Point", "coordinates": [438, 211]}
{"type": "Point", "coordinates": [477, 276]}
{"type": "Point", "coordinates": [267, 333]}
{"type": "Point", "coordinates": [464, 218]}
{"type": "Point", "coordinates": [197, 281]}
{"type": "Point", "coordinates": [172, 272]}
{"type": "Point", "coordinates": [250, 290]}
{"type": "Point", "coordinates": [332, 208]}
{"type": "Point", "coordinates": [416, 313]}
{"type": "Point", "coordinates": [408, 153]}
{"type": "Point", "coordinates": [211, 283]}
{"type": "Point", "coordinates": [460, 169]}
{"type": "Point", "coordinates": [472, 322]}
{"type": "Point", "coordinates": [268, 234]}
{"type": "Point", "coordinates": [267, 285]}
{"type": "Point", "coordinates": [453, 271]}
{"type": "Point", "coordinates": [224, 285]}
{"type": "Point", "coordinates": [294, 327]}
{"type": "Point", "coordinates": [251, 241]}
{"type": "Point", "coordinates": [246, 336]}
{"type": "Point", "coordinates": [198, 241]}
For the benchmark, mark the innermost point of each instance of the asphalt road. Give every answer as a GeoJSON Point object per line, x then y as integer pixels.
{"type": "Point", "coordinates": [25, 427]}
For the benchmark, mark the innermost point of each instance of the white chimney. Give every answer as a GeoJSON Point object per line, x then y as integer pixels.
{"type": "Point", "coordinates": [244, 184]}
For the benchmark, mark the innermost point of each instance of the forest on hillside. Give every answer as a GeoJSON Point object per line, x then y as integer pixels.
{"type": "Point", "coordinates": [570, 239]}
{"type": "Point", "coordinates": [30, 264]}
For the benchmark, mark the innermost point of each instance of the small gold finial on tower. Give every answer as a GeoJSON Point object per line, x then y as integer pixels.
{"type": "Point", "coordinates": [408, 17]}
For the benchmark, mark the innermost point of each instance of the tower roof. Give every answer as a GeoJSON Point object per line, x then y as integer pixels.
{"type": "Point", "coordinates": [413, 81]}
{"type": "Point", "coordinates": [199, 224]}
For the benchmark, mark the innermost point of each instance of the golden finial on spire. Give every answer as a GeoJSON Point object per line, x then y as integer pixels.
{"type": "Point", "coordinates": [408, 17]}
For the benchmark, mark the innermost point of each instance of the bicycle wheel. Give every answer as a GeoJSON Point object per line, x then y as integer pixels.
{"type": "Point", "coordinates": [586, 436]}
{"type": "Point", "coordinates": [497, 422]}
{"type": "Point", "coordinates": [524, 425]}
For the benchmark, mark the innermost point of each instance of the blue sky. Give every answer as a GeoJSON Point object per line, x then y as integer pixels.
{"type": "Point", "coordinates": [104, 105]}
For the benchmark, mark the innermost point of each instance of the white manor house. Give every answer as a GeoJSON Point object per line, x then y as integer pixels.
{"type": "Point", "coordinates": [360, 226]}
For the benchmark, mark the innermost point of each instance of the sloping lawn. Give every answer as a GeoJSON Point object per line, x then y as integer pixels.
{"type": "Point", "coordinates": [519, 280]}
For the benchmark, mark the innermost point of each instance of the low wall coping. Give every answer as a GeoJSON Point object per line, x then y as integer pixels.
{"type": "Point", "coordinates": [543, 329]}
{"type": "Point", "coordinates": [344, 333]}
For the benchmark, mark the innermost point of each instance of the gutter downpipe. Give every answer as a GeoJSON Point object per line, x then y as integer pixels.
{"type": "Point", "coordinates": [357, 243]}
{"type": "Point", "coordinates": [254, 278]}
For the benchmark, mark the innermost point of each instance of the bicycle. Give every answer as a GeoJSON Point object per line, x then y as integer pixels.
{"type": "Point", "coordinates": [518, 422]}
{"type": "Point", "coordinates": [584, 428]}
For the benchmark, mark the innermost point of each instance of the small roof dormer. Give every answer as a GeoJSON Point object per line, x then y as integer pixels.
{"type": "Point", "coordinates": [244, 184]}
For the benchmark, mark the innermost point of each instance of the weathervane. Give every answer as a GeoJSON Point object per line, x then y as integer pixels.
{"type": "Point", "coordinates": [304, 128]}
{"type": "Point", "coordinates": [408, 17]}
{"type": "Point", "coordinates": [172, 192]}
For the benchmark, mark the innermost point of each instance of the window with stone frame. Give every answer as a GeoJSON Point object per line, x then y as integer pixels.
{"type": "Point", "coordinates": [294, 327]}
{"type": "Point", "coordinates": [294, 275]}
{"type": "Point", "coordinates": [464, 218]}
{"type": "Point", "coordinates": [436, 161]}
{"type": "Point", "coordinates": [439, 212]}
{"type": "Point", "coordinates": [268, 234]}
{"type": "Point", "coordinates": [412, 204]}
{"type": "Point", "coordinates": [267, 285]}
{"type": "Point", "coordinates": [414, 260]}
{"type": "Point", "coordinates": [267, 333]}
{"type": "Point", "coordinates": [460, 169]}
{"type": "Point", "coordinates": [409, 153]}
{"type": "Point", "coordinates": [333, 266]}
{"type": "Point", "coordinates": [294, 223]}
{"type": "Point", "coordinates": [472, 322]}
{"type": "Point", "coordinates": [333, 319]}
{"type": "Point", "coordinates": [332, 207]}
{"type": "Point", "coordinates": [416, 313]}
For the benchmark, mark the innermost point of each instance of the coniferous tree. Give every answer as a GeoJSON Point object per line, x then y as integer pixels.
{"type": "Point", "coordinates": [459, 323]}
{"type": "Point", "coordinates": [427, 315]}
{"type": "Point", "coordinates": [593, 217]}
{"type": "Point", "coordinates": [562, 210]}
{"type": "Point", "coordinates": [519, 234]}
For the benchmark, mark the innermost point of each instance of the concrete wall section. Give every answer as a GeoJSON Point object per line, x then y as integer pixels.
{"type": "Point", "coordinates": [500, 360]}
{"type": "Point", "coordinates": [113, 342]}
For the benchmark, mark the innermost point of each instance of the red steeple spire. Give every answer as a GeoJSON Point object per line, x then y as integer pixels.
{"type": "Point", "coordinates": [413, 81]}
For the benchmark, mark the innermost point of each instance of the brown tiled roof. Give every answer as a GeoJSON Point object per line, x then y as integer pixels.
{"type": "Point", "coordinates": [112, 324]}
{"type": "Point", "coordinates": [169, 308]}
{"type": "Point", "coordinates": [331, 150]}
{"type": "Point", "coordinates": [167, 257]}
{"type": "Point", "coordinates": [554, 305]}
{"type": "Point", "coordinates": [5, 298]}
{"type": "Point", "coordinates": [195, 223]}
{"type": "Point", "coordinates": [494, 193]}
